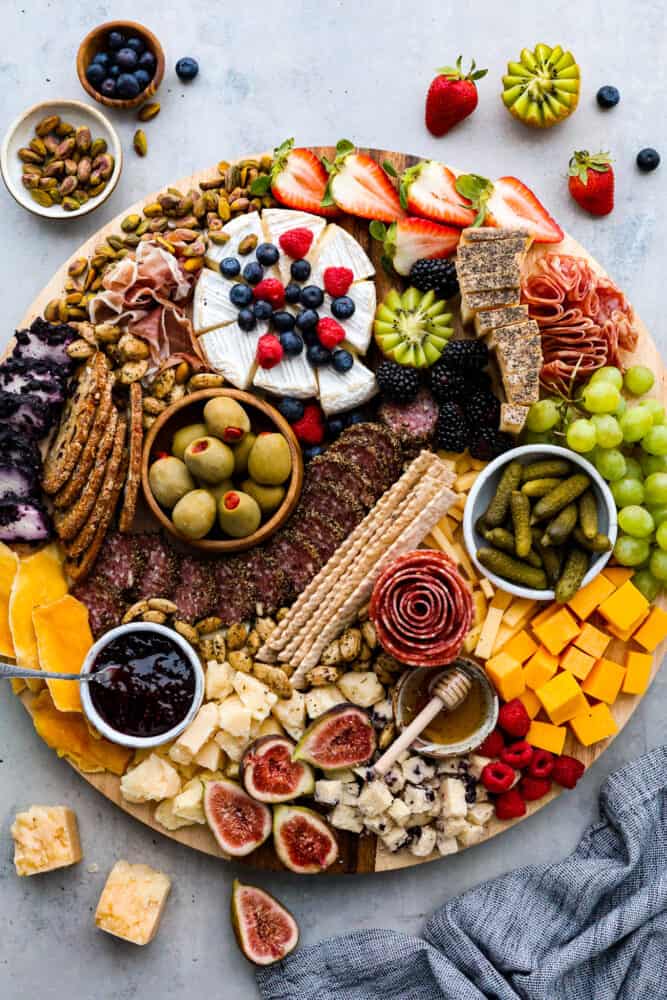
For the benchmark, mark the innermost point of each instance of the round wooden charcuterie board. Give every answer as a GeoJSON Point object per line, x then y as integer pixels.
{"type": "Point", "coordinates": [358, 854]}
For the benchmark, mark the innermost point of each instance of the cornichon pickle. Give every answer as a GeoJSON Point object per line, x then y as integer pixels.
{"type": "Point", "coordinates": [552, 467]}
{"type": "Point", "coordinates": [536, 488]}
{"type": "Point", "coordinates": [561, 496]}
{"type": "Point", "coordinates": [496, 512]}
{"type": "Point", "coordinates": [501, 538]}
{"type": "Point", "coordinates": [573, 573]}
{"type": "Point", "coordinates": [588, 514]}
{"type": "Point", "coordinates": [512, 569]}
{"type": "Point", "coordinates": [552, 560]}
{"type": "Point", "coordinates": [562, 526]}
{"type": "Point", "coordinates": [600, 543]}
{"type": "Point", "coordinates": [520, 510]}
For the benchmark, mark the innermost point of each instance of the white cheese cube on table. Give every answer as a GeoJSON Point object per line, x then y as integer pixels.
{"type": "Point", "coordinates": [395, 839]}
{"type": "Point", "coordinates": [150, 781]}
{"type": "Point", "coordinates": [189, 803]}
{"type": "Point", "coordinates": [132, 902]}
{"type": "Point", "coordinates": [418, 799]}
{"type": "Point", "coordinates": [477, 764]}
{"type": "Point", "coordinates": [362, 688]}
{"type": "Point", "coordinates": [375, 798]}
{"type": "Point", "coordinates": [453, 796]}
{"type": "Point", "coordinates": [350, 793]}
{"type": "Point", "coordinates": [346, 818]}
{"type": "Point", "coordinates": [394, 779]}
{"type": "Point", "coordinates": [445, 844]}
{"type": "Point", "coordinates": [256, 696]}
{"type": "Point", "coordinates": [416, 770]}
{"type": "Point", "coordinates": [424, 843]}
{"type": "Point", "coordinates": [452, 826]}
{"type": "Point", "coordinates": [399, 812]}
{"type": "Point", "coordinates": [198, 733]}
{"type": "Point", "coordinates": [45, 837]}
{"type": "Point", "coordinates": [471, 835]}
{"type": "Point", "coordinates": [234, 718]}
{"type": "Point", "coordinates": [480, 813]}
{"type": "Point", "coordinates": [232, 745]}
{"type": "Point", "coordinates": [210, 756]}
{"type": "Point", "coordinates": [379, 825]}
{"type": "Point", "coordinates": [219, 680]}
{"type": "Point", "coordinates": [166, 817]}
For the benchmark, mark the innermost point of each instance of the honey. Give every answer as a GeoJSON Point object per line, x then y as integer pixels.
{"type": "Point", "coordinates": [447, 727]}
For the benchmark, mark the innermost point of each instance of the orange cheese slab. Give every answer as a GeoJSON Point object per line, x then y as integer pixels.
{"type": "Point", "coordinates": [540, 668]}
{"type": "Point", "coordinates": [557, 631]}
{"type": "Point", "coordinates": [637, 672]}
{"type": "Point", "coordinates": [604, 681]}
{"type": "Point", "coordinates": [625, 634]}
{"type": "Point", "coordinates": [577, 662]}
{"type": "Point", "coordinates": [63, 639]}
{"type": "Point", "coordinates": [588, 598]}
{"type": "Point", "coordinates": [592, 641]}
{"type": "Point", "coordinates": [530, 702]}
{"type": "Point", "coordinates": [618, 574]}
{"type": "Point", "coordinates": [521, 647]}
{"type": "Point", "coordinates": [594, 725]}
{"type": "Point", "coordinates": [8, 566]}
{"type": "Point", "coordinates": [544, 736]}
{"type": "Point", "coordinates": [561, 698]}
{"type": "Point", "coordinates": [653, 631]}
{"type": "Point", "coordinates": [39, 580]}
{"type": "Point", "coordinates": [624, 606]}
{"type": "Point", "coordinates": [507, 676]}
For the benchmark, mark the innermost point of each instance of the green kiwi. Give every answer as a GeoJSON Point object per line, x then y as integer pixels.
{"type": "Point", "coordinates": [542, 89]}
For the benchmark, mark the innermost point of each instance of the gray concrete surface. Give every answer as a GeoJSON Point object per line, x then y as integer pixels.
{"type": "Point", "coordinates": [317, 70]}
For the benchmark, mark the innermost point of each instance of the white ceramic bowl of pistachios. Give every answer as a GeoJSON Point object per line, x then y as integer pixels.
{"type": "Point", "coordinates": [68, 170]}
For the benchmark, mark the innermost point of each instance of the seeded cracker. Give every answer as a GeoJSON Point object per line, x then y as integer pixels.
{"type": "Point", "coordinates": [69, 522]}
{"type": "Point", "coordinates": [107, 496]}
{"type": "Point", "coordinates": [75, 484]}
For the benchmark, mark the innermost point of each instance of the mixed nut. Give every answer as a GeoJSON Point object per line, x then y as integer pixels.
{"type": "Point", "coordinates": [64, 165]}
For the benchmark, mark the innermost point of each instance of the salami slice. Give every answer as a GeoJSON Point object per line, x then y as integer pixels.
{"type": "Point", "coordinates": [297, 558]}
{"type": "Point", "coordinates": [266, 578]}
{"type": "Point", "coordinates": [196, 592]}
{"type": "Point", "coordinates": [422, 609]}
{"type": "Point", "coordinates": [339, 505]}
{"type": "Point", "coordinates": [115, 565]}
{"type": "Point", "coordinates": [322, 533]}
{"type": "Point", "coordinates": [235, 592]}
{"type": "Point", "coordinates": [332, 468]}
{"type": "Point", "coordinates": [104, 602]}
{"type": "Point", "coordinates": [158, 564]}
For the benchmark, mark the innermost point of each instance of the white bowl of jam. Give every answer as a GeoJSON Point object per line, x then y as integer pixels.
{"type": "Point", "coordinates": [152, 691]}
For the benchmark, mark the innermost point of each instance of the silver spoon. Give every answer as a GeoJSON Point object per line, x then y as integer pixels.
{"type": "Point", "coordinates": [10, 670]}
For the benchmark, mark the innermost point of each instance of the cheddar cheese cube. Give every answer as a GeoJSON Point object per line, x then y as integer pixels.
{"type": "Point", "coordinates": [521, 647]}
{"type": "Point", "coordinates": [577, 662]}
{"type": "Point", "coordinates": [594, 725]}
{"type": "Point", "coordinates": [637, 672]}
{"type": "Point", "coordinates": [544, 736]}
{"type": "Point", "coordinates": [557, 631]}
{"type": "Point", "coordinates": [45, 837]}
{"type": "Point", "coordinates": [624, 606]}
{"type": "Point", "coordinates": [132, 902]}
{"type": "Point", "coordinates": [550, 610]}
{"type": "Point", "coordinates": [604, 681]}
{"type": "Point", "coordinates": [653, 631]}
{"type": "Point", "coordinates": [507, 676]}
{"type": "Point", "coordinates": [625, 634]}
{"type": "Point", "coordinates": [561, 697]}
{"type": "Point", "coordinates": [588, 598]}
{"type": "Point", "coordinates": [540, 668]}
{"type": "Point", "coordinates": [530, 702]}
{"type": "Point", "coordinates": [618, 574]}
{"type": "Point", "coordinates": [592, 641]}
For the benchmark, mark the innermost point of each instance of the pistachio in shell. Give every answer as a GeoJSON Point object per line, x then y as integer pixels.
{"type": "Point", "coordinates": [98, 147]}
{"type": "Point", "coordinates": [42, 197]}
{"type": "Point", "coordinates": [46, 125]}
{"type": "Point", "coordinates": [149, 111]}
{"type": "Point", "coordinates": [83, 138]}
{"type": "Point", "coordinates": [130, 223]}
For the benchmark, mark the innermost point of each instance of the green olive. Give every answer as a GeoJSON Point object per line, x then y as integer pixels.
{"type": "Point", "coordinates": [270, 461]}
{"type": "Point", "coordinates": [209, 459]}
{"type": "Point", "coordinates": [219, 489]}
{"type": "Point", "coordinates": [238, 514]}
{"type": "Point", "coordinates": [169, 480]}
{"type": "Point", "coordinates": [184, 436]}
{"type": "Point", "coordinates": [269, 498]}
{"type": "Point", "coordinates": [194, 514]}
{"type": "Point", "coordinates": [241, 452]}
{"type": "Point", "coordinates": [226, 419]}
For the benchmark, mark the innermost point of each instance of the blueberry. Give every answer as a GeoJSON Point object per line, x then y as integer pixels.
{"type": "Point", "coordinates": [103, 58]}
{"type": "Point", "coordinates": [230, 267]}
{"type": "Point", "coordinates": [127, 59]}
{"type": "Point", "coordinates": [310, 336]}
{"type": "Point", "coordinates": [608, 97]}
{"type": "Point", "coordinates": [307, 320]}
{"type": "Point", "coordinates": [292, 293]}
{"type": "Point", "coordinates": [246, 319]}
{"type": "Point", "coordinates": [318, 355]}
{"type": "Point", "coordinates": [142, 77]}
{"type": "Point", "coordinates": [300, 270]}
{"type": "Point", "coordinates": [148, 61]}
{"type": "Point", "coordinates": [263, 310]}
{"type": "Point", "coordinates": [342, 361]}
{"type": "Point", "coordinates": [126, 86]}
{"type": "Point", "coordinates": [312, 451]}
{"type": "Point", "coordinates": [95, 73]}
{"type": "Point", "coordinates": [114, 70]}
{"type": "Point", "coordinates": [648, 159]}
{"type": "Point", "coordinates": [335, 426]}
{"type": "Point", "coordinates": [283, 321]}
{"type": "Point", "coordinates": [356, 417]}
{"type": "Point", "coordinates": [108, 87]}
{"type": "Point", "coordinates": [253, 272]}
{"type": "Point", "coordinates": [312, 296]}
{"type": "Point", "coordinates": [187, 68]}
{"type": "Point", "coordinates": [116, 40]}
{"type": "Point", "coordinates": [267, 254]}
{"type": "Point", "coordinates": [343, 307]}
{"type": "Point", "coordinates": [292, 343]}
{"type": "Point", "coordinates": [291, 409]}
{"type": "Point", "coordinates": [136, 44]}
{"type": "Point", "coordinates": [240, 295]}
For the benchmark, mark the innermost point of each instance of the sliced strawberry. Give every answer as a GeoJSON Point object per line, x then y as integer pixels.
{"type": "Point", "coordinates": [409, 240]}
{"type": "Point", "coordinates": [429, 190]}
{"type": "Point", "coordinates": [298, 180]}
{"type": "Point", "coordinates": [514, 204]}
{"type": "Point", "coordinates": [360, 186]}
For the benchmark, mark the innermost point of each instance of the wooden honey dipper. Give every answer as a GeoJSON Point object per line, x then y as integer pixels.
{"type": "Point", "coordinates": [448, 692]}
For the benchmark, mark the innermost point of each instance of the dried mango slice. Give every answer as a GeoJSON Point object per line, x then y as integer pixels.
{"type": "Point", "coordinates": [67, 733]}
{"type": "Point", "coordinates": [8, 566]}
{"type": "Point", "coordinates": [63, 639]}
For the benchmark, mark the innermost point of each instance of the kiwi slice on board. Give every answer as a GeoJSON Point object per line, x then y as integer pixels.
{"type": "Point", "coordinates": [542, 89]}
{"type": "Point", "coordinates": [413, 328]}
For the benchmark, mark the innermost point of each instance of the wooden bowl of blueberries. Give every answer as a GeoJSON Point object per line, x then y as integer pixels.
{"type": "Point", "coordinates": [120, 64]}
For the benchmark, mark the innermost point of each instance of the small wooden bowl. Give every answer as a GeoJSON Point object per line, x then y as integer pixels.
{"type": "Point", "coordinates": [188, 410]}
{"type": "Point", "coordinates": [95, 41]}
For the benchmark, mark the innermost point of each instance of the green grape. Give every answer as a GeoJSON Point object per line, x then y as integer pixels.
{"type": "Point", "coordinates": [532, 437]}
{"type": "Point", "coordinates": [630, 551]}
{"type": "Point", "coordinates": [655, 441]}
{"type": "Point", "coordinates": [655, 488]}
{"type": "Point", "coordinates": [601, 397]}
{"type": "Point", "coordinates": [636, 521]}
{"type": "Point", "coordinates": [542, 416]}
{"type": "Point", "coordinates": [633, 468]}
{"type": "Point", "coordinates": [635, 423]}
{"type": "Point", "coordinates": [638, 380]}
{"type": "Point", "coordinates": [658, 513]}
{"type": "Point", "coordinates": [581, 435]}
{"type": "Point", "coordinates": [627, 491]}
{"type": "Point", "coordinates": [610, 463]}
{"type": "Point", "coordinates": [655, 408]}
{"type": "Point", "coordinates": [608, 374]}
{"type": "Point", "coordinates": [652, 463]}
{"type": "Point", "coordinates": [607, 430]}
{"type": "Point", "coordinates": [658, 564]}
{"type": "Point", "coordinates": [661, 535]}
{"type": "Point", "coordinates": [647, 584]}
{"type": "Point", "coordinates": [621, 408]}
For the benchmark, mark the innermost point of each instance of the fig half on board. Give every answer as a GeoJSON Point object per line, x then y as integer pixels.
{"type": "Point", "coordinates": [342, 737]}
{"type": "Point", "coordinates": [304, 842]}
{"type": "Point", "coordinates": [270, 774]}
{"type": "Point", "coordinates": [238, 823]}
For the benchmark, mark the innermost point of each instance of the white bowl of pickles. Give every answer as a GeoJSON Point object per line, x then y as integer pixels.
{"type": "Point", "coordinates": [540, 522]}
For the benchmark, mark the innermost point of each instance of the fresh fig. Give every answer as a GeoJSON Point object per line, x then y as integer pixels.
{"type": "Point", "coordinates": [238, 823]}
{"type": "Point", "coordinates": [304, 842]}
{"type": "Point", "coordinates": [342, 737]}
{"type": "Point", "coordinates": [265, 930]}
{"type": "Point", "coordinates": [270, 774]}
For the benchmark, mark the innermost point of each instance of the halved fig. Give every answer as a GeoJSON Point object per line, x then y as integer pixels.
{"type": "Point", "coordinates": [237, 822]}
{"type": "Point", "coordinates": [342, 737]}
{"type": "Point", "coordinates": [270, 775]}
{"type": "Point", "coordinates": [265, 930]}
{"type": "Point", "coordinates": [304, 842]}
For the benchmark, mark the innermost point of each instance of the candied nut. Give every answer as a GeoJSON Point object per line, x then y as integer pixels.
{"type": "Point", "coordinates": [212, 647]}
{"type": "Point", "coordinates": [241, 660]}
{"type": "Point", "coordinates": [387, 735]}
{"type": "Point", "coordinates": [153, 406]}
{"type": "Point", "coordinates": [156, 617]}
{"type": "Point", "coordinates": [321, 675]}
{"type": "Point", "coordinates": [107, 333]}
{"type": "Point", "coordinates": [264, 627]}
{"type": "Point", "coordinates": [132, 348]}
{"type": "Point", "coordinates": [205, 380]}
{"type": "Point", "coordinates": [254, 641]}
{"type": "Point", "coordinates": [332, 653]}
{"type": "Point", "coordinates": [135, 611]}
{"type": "Point", "coordinates": [132, 371]}
{"type": "Point", "coordinates": [163, 383]}
{"type": "Point", "coordinates": [369, 634]}
{"type": "Point", "coordinates": [187, 631]}
{"type": "Point", "coordinates": [80, 349]}
{"type": "Point", "coordinates": [274, 678]}
{"type": "Point", "coordinates": [162, 604]}
{"type": "Point", "coordinates": [236, 636]}
{"type": "Point", "coordinates": [209, 624]}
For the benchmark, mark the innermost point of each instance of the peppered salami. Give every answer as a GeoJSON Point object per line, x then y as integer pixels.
{"type": "Point", "coordinates": [160, 565]}
{"type": "Point", "coordinates": [115, 565]}
{"type": "Point", "coordinates": [331, 468]}
{"type": "Point", "coordinates": [297, 558]}
{"type": "Point", "coordinates": [266, 578]}
{"type": "Point", "coordinates": [322, 533]}
{"type": "Point", "coordinates": [196, 592]}
{"type": "Point", "coordinates": [104, 602]}
{"type": "Point", "coordinates": [333, 502]}
{"type": "Point", "coordinates": [235, 593]}
{"type": "Point", "coordinates": [414, 423]}
{"type": "Point", "coordinates": [381, 441]}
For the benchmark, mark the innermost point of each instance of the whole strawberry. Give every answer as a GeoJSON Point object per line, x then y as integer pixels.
{"type": "Point", "coordinates": [451, 97]}
{"type": "Point", "coordinates": [591, 181]}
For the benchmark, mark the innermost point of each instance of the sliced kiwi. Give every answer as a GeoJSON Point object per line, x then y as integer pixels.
{"type": "Point", "coordinates": [413, 328]}
{"type": "Point", "coordinates": [542, 88]}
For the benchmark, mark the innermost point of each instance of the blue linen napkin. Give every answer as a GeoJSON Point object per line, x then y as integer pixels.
{"type": "Point", "coordinates": [591, 927]}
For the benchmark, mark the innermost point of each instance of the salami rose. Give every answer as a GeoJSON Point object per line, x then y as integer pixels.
{"type": "Point", "coordinates": [422, 609]}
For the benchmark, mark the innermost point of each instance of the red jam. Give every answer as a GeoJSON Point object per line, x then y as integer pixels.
{"type": "Point", "coordinates": [152, 688]}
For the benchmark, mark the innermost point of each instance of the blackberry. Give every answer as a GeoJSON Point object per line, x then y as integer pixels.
{"type": "Point", "coordinates": [465, 355]}
{"type": "Point", "coordinates": [397, 383]}
{"type": "Point", "coordinates": [446, 385]}
{"type": "Point", "coordinates": [482, 409]}
{"type": "Point", "coordinates": [451, 430]}
{"type": "Point", "coordinates": [477, 380]}
{"type": "Point", "coordinates": [488, 443]}
{"type": "Point", "coordinates": [439, 275]}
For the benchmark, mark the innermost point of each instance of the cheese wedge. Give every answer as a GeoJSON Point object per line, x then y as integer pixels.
{"type": "Point", "coordinates": [338, 249]}
{"type": "Point", "coordinates": [280, 220]}
{"type": "Point", "coordinates": [231, 351]}
{"type": "Point", "coordinates": [294, 376]}
{"type": "Point", "coordinates": [359, 327]}
{"type": "Point", "coordinates": [211, 305]}
{"type": "Point", "coordinates": [344, 391]}
{"type": "Point", "coordinates": [237, 230]}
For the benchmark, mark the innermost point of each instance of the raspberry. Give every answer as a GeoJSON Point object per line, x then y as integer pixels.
{"type": "Point", "coordinates": [310, 428]}
{"type": "Point", "coordinates": [492, 745]}
{"type": "Point", "coordinates": [337, 280]}
{"type": "Point", "coordinates": [541, 765]}
{"type": "Point", "coordinates": [534, 788]}
{"type": "Point", "coordinates": [272, 291]}
{"type": "Point", "coordinates": [517, 755]}
{"type": "Point", "coordinates": [497, 777]}
{"type": "Point", "coordinates": [330, 333]}
{"type": "Point", "coordinates": [510, 805]}
{"type": "Point", "coordinates": [269, 351]}
{"type": "Point", "coordinates": [514, 719]}
{"type": "Point", "coordinates": [296, 242]}
{"type": "Point", "coordinates": [567, 771]}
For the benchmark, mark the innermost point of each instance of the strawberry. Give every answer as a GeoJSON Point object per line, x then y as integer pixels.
{"type": "Point", "coordinates": [297, 180]}
{"type": "Point", "coordinates": [360, 186]}
{"type": "Point", "coordinates": [451, 97]}
{"type": "Point", "coordinates": [330, 333]}
{"type": "Point", "coordinates": [429, 190]}
{"type": "Point", "coordinates": [508, 202]}
{"type": "Point", "coordinates": [337, 280]}
{"type": "Point", "coordinates": [591, 181]}
{"type": "Point", "coordinates": [296, 242]}
{"type": "Point", "coordinates": [411, 239]}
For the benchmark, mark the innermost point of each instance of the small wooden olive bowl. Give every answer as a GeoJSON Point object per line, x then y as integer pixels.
{"type": "Point", "coordinates": [95, 41]}
{"type": "Point", "coordinates": [189, 410]}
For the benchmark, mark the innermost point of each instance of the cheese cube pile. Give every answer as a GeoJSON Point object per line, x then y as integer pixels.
{"type": "Point", "coordinates": [132, 902]}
